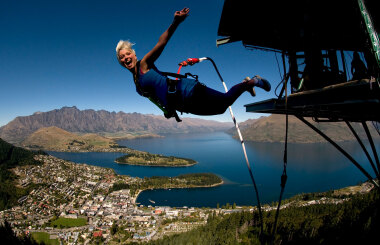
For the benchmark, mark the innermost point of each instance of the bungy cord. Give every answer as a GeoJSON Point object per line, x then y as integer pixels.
{"type": "Point", "coordinates": [242, 145]}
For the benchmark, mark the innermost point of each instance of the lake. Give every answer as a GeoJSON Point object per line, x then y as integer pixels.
{"type": "Point", "coordinates": [311, 168]}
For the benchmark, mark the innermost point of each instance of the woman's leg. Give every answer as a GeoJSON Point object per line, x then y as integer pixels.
{"type": "Point", "coordinates": [207, 101]}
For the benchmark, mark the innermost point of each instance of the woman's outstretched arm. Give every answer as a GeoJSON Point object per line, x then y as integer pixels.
{"type": "Point", "coordinates": [149, 59]}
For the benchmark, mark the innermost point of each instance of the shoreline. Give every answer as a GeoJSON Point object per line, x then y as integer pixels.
{"type": "Point", "coordinates": [132, 137]}
{"type": "Point", "coordinates": [105, 150]}
{"type": "Point", "coordinates": [208, 186]}
{"type": "Point", "coordinates": [122, 150]}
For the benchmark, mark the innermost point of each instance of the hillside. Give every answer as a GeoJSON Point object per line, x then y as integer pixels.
{"type": "Point", "coordinates": [272, 129]}
{"type": "Point", "coordinates": [56, 139]}
{"type": "Point", "coordinates": [11, 156]}
{"type": "Point", "coordinates": [103, 122]}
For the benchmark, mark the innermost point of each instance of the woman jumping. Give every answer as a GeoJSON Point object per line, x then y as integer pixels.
{"type": "Point", "coordinates": [184, 95]}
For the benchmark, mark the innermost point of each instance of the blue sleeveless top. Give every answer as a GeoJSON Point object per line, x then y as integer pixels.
{"type": "Point", "coordinates": [155, 84]}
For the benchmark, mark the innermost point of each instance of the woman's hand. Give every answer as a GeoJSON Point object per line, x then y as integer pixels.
{"type": "Point", "coordinates": [180, 16]}
{"type": "Point", "coordinates": [149, 59]}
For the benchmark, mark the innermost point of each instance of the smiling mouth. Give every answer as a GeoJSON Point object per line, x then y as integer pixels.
{"type": "Point", "coordinates": [129, 61]}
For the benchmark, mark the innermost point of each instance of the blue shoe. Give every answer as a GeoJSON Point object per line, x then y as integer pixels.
{"type": "Point", "coordinates": [250, 90]}
{"type": "Point", "coordinates": [262, 83]}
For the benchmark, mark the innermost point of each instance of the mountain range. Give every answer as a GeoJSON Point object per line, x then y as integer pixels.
{"type": "Point", "coordinates": [104, 123]}
{"type": "Point", "coordinates": [122, 125]}
{"type": "Point", "coordinates": [272, 129]}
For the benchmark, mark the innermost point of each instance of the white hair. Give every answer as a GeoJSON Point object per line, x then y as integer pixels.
{"type": "Point", "coordinates": [124, 45]}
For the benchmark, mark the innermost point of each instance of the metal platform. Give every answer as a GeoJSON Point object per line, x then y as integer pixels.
{"type": "Point", "coordinates": [353, 101]}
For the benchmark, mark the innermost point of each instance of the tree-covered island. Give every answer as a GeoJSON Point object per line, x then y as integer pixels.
{"type": "Point", "coordinates": [155, 160]}
{"type": "Point", "coordinates": [163, 182]}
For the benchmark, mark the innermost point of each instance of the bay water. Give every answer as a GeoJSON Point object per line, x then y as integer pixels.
{"type": "Point", "coordinates": [310, 168]}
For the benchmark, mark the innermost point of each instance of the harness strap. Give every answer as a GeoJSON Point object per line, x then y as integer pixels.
{"type": "Point", "coordinates": [169, 111]}
{"type": "Point", "coordinates": [171, 97]}
{"type": "Point", "coordinates": [170, 74]}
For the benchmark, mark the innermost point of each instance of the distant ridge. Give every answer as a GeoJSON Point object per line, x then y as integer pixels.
{"type": "Point", "coordinates": [103, 122]}
{"type": "Point", "coordinates": [272, 129]}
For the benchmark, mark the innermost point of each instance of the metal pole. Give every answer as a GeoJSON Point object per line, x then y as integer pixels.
{"type": "Point", "coordinates": [374, 38]}
{"type": "Point", "coordinates": [372, 145]}
{"type": "Point", "coordinates": [364, 149]}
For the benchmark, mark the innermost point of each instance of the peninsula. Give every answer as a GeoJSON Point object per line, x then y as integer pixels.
{"type": "Point", "coordinates": [191, 180]}
{"type": "Point", "coordinates": [57, 139]}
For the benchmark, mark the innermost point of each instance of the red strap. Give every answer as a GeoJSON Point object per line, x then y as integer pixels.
{"type": "Point", "coordinates": [179, 69]}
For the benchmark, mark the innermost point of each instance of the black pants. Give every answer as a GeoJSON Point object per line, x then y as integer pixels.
{"type": "Point", "coordinates": [207, 101]}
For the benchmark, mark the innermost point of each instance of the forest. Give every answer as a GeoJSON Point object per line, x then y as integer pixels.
{"type": "Point", "coordinates": [356, 221]}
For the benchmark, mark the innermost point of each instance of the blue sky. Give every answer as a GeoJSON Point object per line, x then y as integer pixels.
{"type": "Point", "coordinates": [62, 53]}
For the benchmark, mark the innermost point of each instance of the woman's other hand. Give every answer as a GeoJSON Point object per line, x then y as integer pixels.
{"type": "Point", "coordinates": [180, 16]}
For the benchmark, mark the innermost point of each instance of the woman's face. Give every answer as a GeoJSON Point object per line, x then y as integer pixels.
{"type": "Point", "coordinates": [127, 58]}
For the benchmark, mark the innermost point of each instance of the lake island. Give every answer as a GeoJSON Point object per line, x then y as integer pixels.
{"type": "Point", "coordinates": [154, 160]}
{"type": "Point", "coordinates": [190, 180]}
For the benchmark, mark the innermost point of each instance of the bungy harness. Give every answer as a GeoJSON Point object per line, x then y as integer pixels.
{"type": "Point", "coordinates": [171, 95]}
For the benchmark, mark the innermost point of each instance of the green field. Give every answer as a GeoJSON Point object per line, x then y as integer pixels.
{"type": "Point", "coordinates": [43, 237]}
{"type": "Point", "coordinates": [66, 222]}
